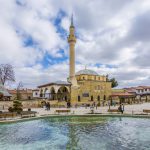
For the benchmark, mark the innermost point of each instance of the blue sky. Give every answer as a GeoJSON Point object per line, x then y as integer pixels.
{"type": "Point", "coordinates": [112, 38]}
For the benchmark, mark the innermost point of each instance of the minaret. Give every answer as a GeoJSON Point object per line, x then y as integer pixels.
{"type": "Point", "coordinates": [72, 41]}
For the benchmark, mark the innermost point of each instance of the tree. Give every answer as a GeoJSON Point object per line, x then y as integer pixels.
{"type": "Point", "coordinates": [113, 80]}
{"type": "Point", "coordinates": [6, 73]}
{"type": "Point", "coordinates": [17, 106]}
{"type": "Point", "coordinates": [18, 96]}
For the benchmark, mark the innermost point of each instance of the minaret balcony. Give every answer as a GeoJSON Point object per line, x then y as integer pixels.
{"type": "Point", "coordinates": [71, 39]}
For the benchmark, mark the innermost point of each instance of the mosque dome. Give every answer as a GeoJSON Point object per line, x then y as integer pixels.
{"type": "Point", "coordinates": [87, 72]}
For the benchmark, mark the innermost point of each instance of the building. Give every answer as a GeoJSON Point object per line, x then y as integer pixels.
{"type": "Point", "coordinates": [59, 91]}
{"type": "Point", "coordinates": [35, 93]}
{"type": "Point", "coordinates": [84, 87]}
{"type": "Point", "coordinates": [142, 93]}
{"type": "Point", "coordinates": [92, 87]}
{"type": "Point", "coordinates": [25, 94]}
{"type": "Point", "coordinates": [122, 96]}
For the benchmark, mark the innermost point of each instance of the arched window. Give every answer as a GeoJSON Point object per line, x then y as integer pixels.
{"type": "Point", "coordinates": [79, 98]}
{"type": "Point", "coordinates": [98, 98]}
{"type": "Point", "coordinates": [92, 98]}
{"type": "Point", "coordinates": [104, 97]}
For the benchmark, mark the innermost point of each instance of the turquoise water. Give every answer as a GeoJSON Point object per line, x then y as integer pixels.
{"type": "Point", "coordinates": [77, 133]}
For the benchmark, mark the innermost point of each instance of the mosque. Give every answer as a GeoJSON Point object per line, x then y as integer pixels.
{"type": "Point", "coordinates": [83, 87]}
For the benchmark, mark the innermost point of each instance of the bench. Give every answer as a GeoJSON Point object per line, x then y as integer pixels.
{"type": "Point", "coordinates": [63, 111]}
{"type": "Point", "coordinates": [113, 110]}
{"type": "Point", "coordinates": [146, 110]}
{"type": "Point", "coordinates": [8, 115]}
{"type": "Point", "coordinates": [25, 114]}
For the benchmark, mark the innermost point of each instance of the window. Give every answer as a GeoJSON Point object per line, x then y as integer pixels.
{"type": "Point", "coordinates": [85, 94]}
{"type": "Point", "coordinates": [104, 97]}
{"type": "Point", "coordinates": [98, 98]}
{"type": "Point", "coordinates": [92, 98]}
{"type": "Point", "coordinates": [79, 99]}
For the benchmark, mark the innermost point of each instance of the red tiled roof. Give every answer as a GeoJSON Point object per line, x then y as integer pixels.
{"type": "Point", "coordinates": [144, 87]}
{"type": "Point", "coordinates": [21, 91]}
{"type": "Point", "coordinates": [121, 94]}
{"type": "Point", "coordinates": [139, 88]}
{"type": "Point", "coordinates": [35, 90]}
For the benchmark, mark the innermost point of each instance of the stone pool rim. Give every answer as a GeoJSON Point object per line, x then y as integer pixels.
{"type": "Point", "coordinates": [67, 116]}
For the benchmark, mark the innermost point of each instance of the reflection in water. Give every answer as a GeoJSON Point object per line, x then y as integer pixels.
{"type": "Point", "coordinates": [77, 133]}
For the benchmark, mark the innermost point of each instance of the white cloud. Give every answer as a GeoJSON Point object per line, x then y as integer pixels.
{"type": "Point", "coordinates": [108, 34]}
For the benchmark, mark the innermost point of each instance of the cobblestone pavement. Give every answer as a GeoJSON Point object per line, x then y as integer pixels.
{"type": "Point", "coordinates": [129, 109]}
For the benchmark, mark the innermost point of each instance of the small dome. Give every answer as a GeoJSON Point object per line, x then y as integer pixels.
{"type": "Point", "coordinates": [86, 71]}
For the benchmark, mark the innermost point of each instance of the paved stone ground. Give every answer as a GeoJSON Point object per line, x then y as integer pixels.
{"type": "Point", "coordinates": [129, 109]}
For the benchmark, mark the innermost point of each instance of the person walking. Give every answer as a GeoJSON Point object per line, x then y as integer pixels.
{"type": "Point", "coordinates": [119, 108]}
{"type": "Point", "coordinates": [96, 106]}
{"type": "Point", "coordinates": [122, 108]}
{"type": "Point", "coordinates": [109, 104]}
{"type": "Point", "coordinates": [48, 106]}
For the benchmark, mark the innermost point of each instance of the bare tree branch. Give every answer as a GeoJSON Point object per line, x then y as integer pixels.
{"type": "Point", "coordinates": [6, 73]}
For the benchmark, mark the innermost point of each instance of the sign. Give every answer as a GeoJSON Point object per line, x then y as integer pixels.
{"type": "Point", "coordinates": [85, 94]}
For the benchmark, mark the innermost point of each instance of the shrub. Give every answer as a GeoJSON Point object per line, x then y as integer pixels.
{"type": "Point", "coordinates": [10, 109]}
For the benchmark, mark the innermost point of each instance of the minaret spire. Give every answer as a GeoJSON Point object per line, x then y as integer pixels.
{"type": "Point", "coordinates": [72, 20]}
{"type": "Point", "coordinates": [72, 42]}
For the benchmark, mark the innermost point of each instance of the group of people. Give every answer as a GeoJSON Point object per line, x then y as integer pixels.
{"type": "Point", "coordinates": [47, 106]}
{"type": "Point", "coordinates": [120, 108]}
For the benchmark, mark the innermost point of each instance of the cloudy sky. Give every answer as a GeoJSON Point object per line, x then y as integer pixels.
{"type": "Point", "coordinates": [113, 38]}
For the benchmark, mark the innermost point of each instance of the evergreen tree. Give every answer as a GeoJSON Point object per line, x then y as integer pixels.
{"type": "Point", "coordinates": [112, 80]}
{"type": "Point", "coordinates": [17, 106]}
